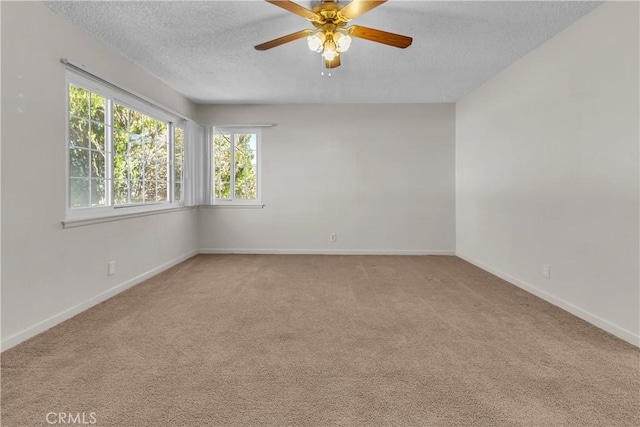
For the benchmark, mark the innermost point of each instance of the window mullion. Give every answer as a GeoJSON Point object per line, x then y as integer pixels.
{"type": "Point", "coordinates": [90, 150]}
{"type": "Point", "coordinates": [109, 154]}
{"type": "Point", "coordinates": [143, 144]}
{"type": "Point", "coordinates": [128, 158]}
{"type": "Point", "coordinates": [171, 160]}
{"type": "Point", "coordinates": [232, 186]}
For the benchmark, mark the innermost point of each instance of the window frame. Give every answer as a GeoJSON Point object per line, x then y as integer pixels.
{"type": "Point", "coordinates": [120, 97]}
{"type": "Point", "coordinates": [234, 201]}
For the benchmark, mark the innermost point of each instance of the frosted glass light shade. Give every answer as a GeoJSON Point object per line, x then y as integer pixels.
{"type": "Point", "coordinates": [315, 41]}
{"type": "Point", "coordinates": [343, 41]}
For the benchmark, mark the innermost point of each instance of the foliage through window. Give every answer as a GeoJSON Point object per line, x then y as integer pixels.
{"type": "Point", "coordinates": [236, 166]}
{"type": "Point", "coordinates": [87, 148]}
{"type": "Point", "coordinates": [119, 155]}
{"type": "Point", "coordinates": [141, 157]}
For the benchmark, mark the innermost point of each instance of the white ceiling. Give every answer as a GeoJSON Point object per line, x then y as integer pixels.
{"type": "Point", "coordinates": [204, 49]}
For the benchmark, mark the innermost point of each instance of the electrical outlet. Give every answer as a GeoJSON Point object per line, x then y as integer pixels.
{"type": "Point", "coordinates": [546, 271]}
{"type": "Point", "coordinates": [332, 237]}
{"type": "Point", "coordinates": [111, 268]}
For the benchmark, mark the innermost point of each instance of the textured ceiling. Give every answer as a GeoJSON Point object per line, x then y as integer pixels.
{"type": "Point", "coordinates": [204, 50]}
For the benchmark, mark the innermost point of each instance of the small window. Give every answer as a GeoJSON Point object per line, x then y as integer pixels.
{"type": "Point", "coordinates": [237, 166]}
{"type": "Point", "coordinates": [120, 155]}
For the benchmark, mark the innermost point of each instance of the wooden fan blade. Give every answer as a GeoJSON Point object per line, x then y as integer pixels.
{"type": "Point", "coordinates": [295, 8]}
{"type": "Point", "coordinates": [391, 39]}
{"type": "Point", "coordinates": [358, 7]}
{"type": "Point", "coordinates": [284, 39]}
{"type": "Point", "coordinates": [332, 64]}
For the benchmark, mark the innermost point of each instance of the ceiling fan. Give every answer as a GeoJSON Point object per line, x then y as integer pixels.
{"type": "Point", "coordinates": [332, 36]}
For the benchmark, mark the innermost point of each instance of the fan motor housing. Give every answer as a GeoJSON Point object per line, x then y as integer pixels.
{"type": "Point", "coordinates": [329, 10]}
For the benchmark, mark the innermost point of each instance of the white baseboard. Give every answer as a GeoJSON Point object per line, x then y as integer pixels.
{"type": "Point", "coordinates": [324, 251]}
{"type": "Point", "coordinates": [52, 321]}
{"type": "Point", "coordinates": [601, 323]}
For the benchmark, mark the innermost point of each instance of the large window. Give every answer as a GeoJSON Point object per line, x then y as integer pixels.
{"type": "Point", "coordinates": [236, 171]}
{"type": "Point", "coordinates": [122, 153]}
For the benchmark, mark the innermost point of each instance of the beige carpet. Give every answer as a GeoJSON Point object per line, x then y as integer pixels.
{"type": "Point", "coordinates": [324, 340]}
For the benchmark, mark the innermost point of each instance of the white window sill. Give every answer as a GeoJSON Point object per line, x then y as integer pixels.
{"type": "Point", "coordinates": [81, 222]}
{"type": "Point", "coordinates": [232, 206]}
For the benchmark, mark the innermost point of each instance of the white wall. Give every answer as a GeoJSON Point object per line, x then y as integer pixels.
{"type": "Point", "coordinates": [547, 171]}
{"type": "Point", "coordinates": [49, 274]}
{"type": "Point", "coordinates": [380, 176]}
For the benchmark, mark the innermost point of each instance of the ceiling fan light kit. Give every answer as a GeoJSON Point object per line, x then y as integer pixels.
{"type": "Point", "coordinates": [332, 36]}
{"type": "Point", "coordinates": [329, 44]}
